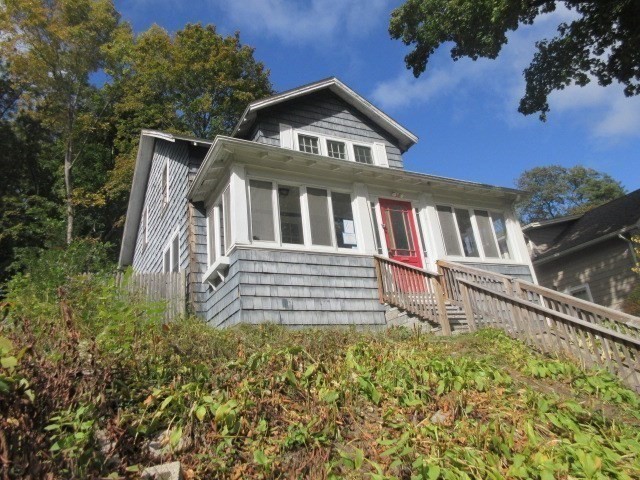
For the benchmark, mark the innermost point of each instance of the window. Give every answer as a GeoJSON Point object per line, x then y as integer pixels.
{"type": "Point", "coordinates": [461, 228]}
{"type": "Point", "coordinates": [145, 226]}
{"type": "Point", "coordinates": [336, 149]}
{"type": "Point", "coordinates": [318, 201]}
{"type": "Point", "coordinates": [261, 200]}
{"type": "Point", "coordinates": [290, 215]}
{"type": "Point", "coordinates": [171, 255]}
{"type": "Point", "coordinates": [165, 184]}
{"type": "Point", "coordinates": [583, 292]}
{"type": "Point", "coordinates": [343, 220]}
{"type": "Point", "coordinates": [219, 227]}
{"type": "Point", "coordinates": [308, 144]}
{"type": "Point", "coordinates": [448, 227]}
{"type": "Point", "coordinates": [363, 154]}
{"type": "Point", "coordinates": [330, 221]}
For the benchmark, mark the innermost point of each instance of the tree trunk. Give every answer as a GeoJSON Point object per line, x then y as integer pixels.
{"type": "Point", "coordinates": [68, 186]}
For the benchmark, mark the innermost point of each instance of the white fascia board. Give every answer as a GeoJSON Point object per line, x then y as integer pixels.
{"type": "Point", "coordinates": [172, 137]}
{"type": "Point", "coordinates": [546, 223]}
{"type": "Point", "coordinates": [406, 138]}
{"type": "Point", "coordinates": [361, 171]}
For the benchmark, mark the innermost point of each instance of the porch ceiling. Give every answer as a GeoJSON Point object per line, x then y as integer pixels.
{"type": "Point", "coordinates": [226, 150]}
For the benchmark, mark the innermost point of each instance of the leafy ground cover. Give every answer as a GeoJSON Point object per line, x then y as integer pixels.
{"type": "Point", "coordinates": [90, 380]}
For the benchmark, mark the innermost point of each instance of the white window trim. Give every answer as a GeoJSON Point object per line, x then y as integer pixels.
{"type": "Point", "coordinates": [168, 247]}
{"type": "Point", "coordinates": [307, 246]}
{"type": "Point", "coordinates": [349, 144]}
{"type": "Point", "coordinates": [218, 263]}
{"type": "Point", "coordinates": [582, 286]}
{"type": "Point", "coordinates": [165, 189]}
{"type": "Point", "coordinates": [514, 252]}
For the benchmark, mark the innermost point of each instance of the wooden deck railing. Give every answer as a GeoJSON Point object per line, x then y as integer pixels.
{"type": "Point", "coordinates": [412, 289]}
{"type": "Point", "coordinates": [590, 312]}
{"type": "Point", "coordinates": [158, 287]}
{"type": "Point", "coordinates": [554, 332]}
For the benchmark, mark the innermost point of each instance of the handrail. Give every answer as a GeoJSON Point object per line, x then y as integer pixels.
{"type": "Point", "coordinates": [415, 290]}
{"type": "Point", "coordinates": [557, 301]}
{"type": "Point", "coordinates": [553, 331]}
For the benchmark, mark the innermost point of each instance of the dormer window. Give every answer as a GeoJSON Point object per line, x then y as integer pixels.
{"type": "Point", "coordinates": [363, 154]}
{"type": "Point", "coordinates": [308, 144]}
{"type": "Point", "coordinates": [336, 149]}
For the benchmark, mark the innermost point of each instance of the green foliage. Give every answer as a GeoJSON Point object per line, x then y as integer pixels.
{"type": "Point", "coordinates": [599, 44]}
{"type": "Point", "coordinates": [557, 191]}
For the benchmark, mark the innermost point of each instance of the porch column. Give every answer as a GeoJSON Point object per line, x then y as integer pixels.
{"type": "Point", "coordinates": [361, 210]}
{"type": "Point", "coordinates": [239, 207]}
{"type": "Point", "coordinates": [431, 229]}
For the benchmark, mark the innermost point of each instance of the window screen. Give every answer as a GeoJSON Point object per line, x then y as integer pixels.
{"type": "Point", "coordinates": [469, 244]}
{"type": "Point", "coordinates": [318, 201]}
{"type": "Point", "coordinates": [448, 228]}
{"type": "Point", "coordinates": [261, 211]}
{"type": "Point", "coordinates": [343, 220]}
{"type": "Point", "coordinates": [486, 234]}
{"type": "Point", "coordinates": [500, 228]}
{"type": "Point", "coordinates": [290, 215]}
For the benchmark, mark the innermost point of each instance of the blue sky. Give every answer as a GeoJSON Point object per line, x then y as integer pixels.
{"type": "Point", "coordinates": [465, 112]}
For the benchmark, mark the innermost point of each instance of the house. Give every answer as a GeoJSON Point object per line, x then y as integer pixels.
{"type": "Point", "coordinates": [589, 256]}
{"type": "Point", "coordinates": [280, 221]}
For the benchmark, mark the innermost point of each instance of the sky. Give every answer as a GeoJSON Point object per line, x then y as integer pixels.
{"type": "Point", "coordinates": [464, 113]}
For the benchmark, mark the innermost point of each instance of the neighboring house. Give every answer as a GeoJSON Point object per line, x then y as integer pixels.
{"type": "Point", "coordinates": [280, 221]}
{"type": "Point", "coordinates": [589, 256]}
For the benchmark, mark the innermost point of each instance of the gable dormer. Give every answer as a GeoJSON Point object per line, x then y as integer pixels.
{"type": "Point", "coordinates": [327, 118]}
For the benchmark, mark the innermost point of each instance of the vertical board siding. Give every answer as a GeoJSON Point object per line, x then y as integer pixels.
{"type": "Point", "coordinates": [606, 267]}
{"type": "Point", "coordinates": [324, 113]}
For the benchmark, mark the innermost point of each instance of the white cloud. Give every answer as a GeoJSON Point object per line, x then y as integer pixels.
{"type": "Point", "coordinates": [310, 22]}
{"type": "Point", "coordinates": [605, 111]}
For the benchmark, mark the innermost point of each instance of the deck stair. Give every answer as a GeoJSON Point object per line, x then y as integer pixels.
{"type": "Point", "coordinates": [460, 298]}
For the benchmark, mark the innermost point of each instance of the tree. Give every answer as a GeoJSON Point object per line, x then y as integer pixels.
{"type": "Point", "coordinates": [556, 191]}
{"type": "Point", "coordinates": [603, 43]}
{"type": "Point", "coordinates": [51, 48]}
{"type": "Point", "coordinates": [196, 82]}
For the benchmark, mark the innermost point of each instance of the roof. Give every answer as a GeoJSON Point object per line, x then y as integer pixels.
{"type": "Point", "coordinates": [548, 223]}
{"type": "Point", "coordinates": [612, 218]}
{"type": "Point", "coordinates": [139, 187]}
{"type": "Point", "coordinates": [405, 138]}
{"type": "Point", "coordinates": [214, 165]}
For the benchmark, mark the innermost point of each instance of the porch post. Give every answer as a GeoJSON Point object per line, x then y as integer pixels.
{"type": "Point", "coordinates": [429, 220]}
{"type": "Point", "coordinates": [367, 244]}
{"type": "Point", "coordinates": [239, 207]}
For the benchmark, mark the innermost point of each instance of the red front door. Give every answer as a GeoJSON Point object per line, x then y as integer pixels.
{"type": "Point", "coordinates": [400, 232]}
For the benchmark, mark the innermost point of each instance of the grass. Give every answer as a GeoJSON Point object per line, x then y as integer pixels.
{"type": "Point", "coordinates": [266, 402]}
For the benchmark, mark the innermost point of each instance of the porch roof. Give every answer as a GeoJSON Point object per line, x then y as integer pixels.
{"type": "Point", "coordinates": [227, 149]}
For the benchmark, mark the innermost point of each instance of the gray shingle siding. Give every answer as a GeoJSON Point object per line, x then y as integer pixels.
{"type": "Point", "coordinates": [164, 220]}
{"type": "Point", "coordinates": [323, 113]}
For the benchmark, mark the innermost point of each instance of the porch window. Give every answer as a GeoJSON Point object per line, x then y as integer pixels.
{"type": "Point", "coordinates": [461, 228]}
{"type": "Point", "coordinates": [219, 227]}
{"type": "Point", "coordinates": [302, 215]}
{"type": "Point", "coordinates": [318, 201]}
{"type": "Point", "coordinates": [363, 154]}
{"type": "Point", "coordinates": [290, 215]}
{"type": "Point", "coordinates": [308, 144]}
{"type": "Point", "coordinates": [449, 233]}
{"type": "Point", "coordinates": [261, 198]}
{"type": "Point", "coordinates": [343, 220]}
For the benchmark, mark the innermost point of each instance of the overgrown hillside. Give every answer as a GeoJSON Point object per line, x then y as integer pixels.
{"type": "Point", "coordinates": [92, 385]}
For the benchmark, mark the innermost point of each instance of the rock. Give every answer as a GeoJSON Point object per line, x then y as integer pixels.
{"type": "Point", "coordinates": [166, 471]}
{"type": "Point", "coordinates": [107, 448]}
{"type": "Point", "coordinates": [440, 418]}
{"type": "Point", "coordinates": [159, 446]}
